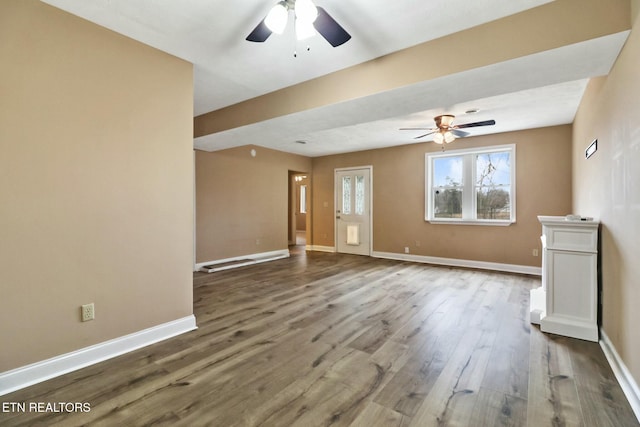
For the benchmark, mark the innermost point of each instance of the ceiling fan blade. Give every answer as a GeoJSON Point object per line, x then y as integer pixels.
{"type": "Point", "coordinates": [260, 33]}
{"type": "Point", "coordinates": [476, 124]}
{"type": "Point", "coordinates": [330, 29]}
{"type": "Point", "coordinates": [426, 134]}
{"type": "Point", "coordinates": [459, 133]}
{"type": "Point", "coordinates": [417, 129]}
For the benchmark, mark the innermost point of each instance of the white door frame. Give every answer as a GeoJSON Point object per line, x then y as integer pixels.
{"type": "Point", "coordinates": [335, 204]}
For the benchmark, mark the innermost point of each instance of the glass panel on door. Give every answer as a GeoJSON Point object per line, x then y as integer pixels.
{"type": "Point", "coordinates": [346, 195]}
{"type": "Point", "coordinates": [359, 195]}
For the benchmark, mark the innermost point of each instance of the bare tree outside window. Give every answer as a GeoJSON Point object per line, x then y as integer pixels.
{"type": "Point", "coordinates": [448, 200]}
{"type": "Point", "coordinates": [492, 186]}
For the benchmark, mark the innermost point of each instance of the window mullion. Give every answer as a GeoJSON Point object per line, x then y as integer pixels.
{"type": "Point", "coordinates": [474, 173]}
{"type": "Point", "coordinates": [467, 188]}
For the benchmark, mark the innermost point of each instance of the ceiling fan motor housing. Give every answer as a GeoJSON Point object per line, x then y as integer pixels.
{"type": "Point", "coordinates": [444, 121]}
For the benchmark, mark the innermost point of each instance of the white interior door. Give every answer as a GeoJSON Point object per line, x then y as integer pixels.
{"type": "Point", "coordinates": [353, 211]}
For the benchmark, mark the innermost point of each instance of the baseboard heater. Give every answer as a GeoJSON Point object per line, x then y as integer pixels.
{"type": "Point", "coordinates": [227, 265]}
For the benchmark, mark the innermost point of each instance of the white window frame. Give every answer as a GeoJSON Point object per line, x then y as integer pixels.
{"type": "Point", "coordinates": [469, 210]}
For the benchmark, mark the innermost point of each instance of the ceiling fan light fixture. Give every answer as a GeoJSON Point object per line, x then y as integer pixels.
{"type": "Point", "coordinates": [306, 11]}
{"type": "Point", "coordinates": [448, 137]}
{"type": "Point", "coordinates": [277, 17]}
{"type": "Point", "coordinates": [304, 29]}
{"type": "Point", "coordinates": [443, 136]}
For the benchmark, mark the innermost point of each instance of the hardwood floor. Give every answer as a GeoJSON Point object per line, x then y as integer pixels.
{"type": "Point", "coordinates": [339, 340]}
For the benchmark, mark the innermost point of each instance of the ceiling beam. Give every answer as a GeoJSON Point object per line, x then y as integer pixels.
{"type": "Point", "coordinates": [553, 25]}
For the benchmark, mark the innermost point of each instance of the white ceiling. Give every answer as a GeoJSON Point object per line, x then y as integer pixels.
{"type": "Point", "coordinates": [227, 69]}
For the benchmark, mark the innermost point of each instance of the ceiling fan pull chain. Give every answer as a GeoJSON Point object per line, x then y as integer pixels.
{"type": "Point", "coordinates": [295, 45]}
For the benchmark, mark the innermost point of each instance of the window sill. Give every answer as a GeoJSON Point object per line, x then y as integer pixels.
{"type": "Point", "coordinates": [467, 222]}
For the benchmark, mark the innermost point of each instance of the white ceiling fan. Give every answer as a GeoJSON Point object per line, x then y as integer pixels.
{"type": "Point", "coordinates": [446, 132]}
{"type": "Point", "coordinates": [308, 19]}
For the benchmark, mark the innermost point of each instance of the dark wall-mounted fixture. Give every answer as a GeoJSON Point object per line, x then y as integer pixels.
{"type": "Point", "coordinates": [591, 149]}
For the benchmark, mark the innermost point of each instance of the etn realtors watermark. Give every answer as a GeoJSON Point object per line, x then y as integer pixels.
{"type": "Point", "coordinates": [44, 407]}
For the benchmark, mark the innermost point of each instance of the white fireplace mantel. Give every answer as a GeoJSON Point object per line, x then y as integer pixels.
{"type": "Point", "coordinates": [567, 302]}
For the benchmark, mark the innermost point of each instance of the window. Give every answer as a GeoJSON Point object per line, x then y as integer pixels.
{"type": "Point", "coordinates": [471, 186]}
{"type": "Point", "coordinates": [303, 199]}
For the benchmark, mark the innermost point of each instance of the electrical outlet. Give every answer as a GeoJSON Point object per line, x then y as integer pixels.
{"type": "Point", "coordinates": [534, 252]}
{"type": "Point", "coordinates": [406, 249]}
{"type": "Point", "coordinates": [88, 312]}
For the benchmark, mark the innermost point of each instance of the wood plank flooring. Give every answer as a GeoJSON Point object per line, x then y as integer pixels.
{"type": "Point", "coordinates": [338, 340]}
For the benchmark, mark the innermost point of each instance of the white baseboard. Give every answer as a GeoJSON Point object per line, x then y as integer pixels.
{"type": "Point", "coordinates": [319, 248]}
{"type": "Point", "coordinates": [41, 371]}
{"type": "Point", "coordinates": [621, 372]}
{"type": "Point", "coordinates": [452, 262]}
{"type": "Point", "coordinates": [250, 259]}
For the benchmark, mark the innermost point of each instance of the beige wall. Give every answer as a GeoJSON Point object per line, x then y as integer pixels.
{"type": "Point", "coordinates": [242, 201]}
{"type": "Point", "coordinates": [607, 186]}
{"type": "Point", "coordinates": [543, 188]}
{"type": "Point", "coordinates": [96, 183]}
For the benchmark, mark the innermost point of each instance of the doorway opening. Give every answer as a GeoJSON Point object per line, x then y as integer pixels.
{"type": "Point", "coordinates": [299, 212]}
